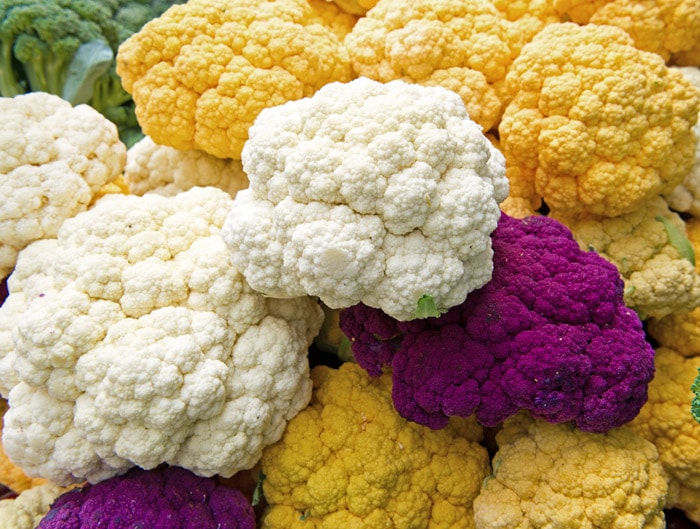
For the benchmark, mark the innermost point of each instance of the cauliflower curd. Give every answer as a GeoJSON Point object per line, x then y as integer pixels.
{"type": "Point", "coordinates": [130, 340]}
{"type": "Point", "coordinates": [371, 192]}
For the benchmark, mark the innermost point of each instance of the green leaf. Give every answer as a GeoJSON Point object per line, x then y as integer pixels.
{"type": "Point", "coordinates": [678, 240]}
{"type": "Point", "coordinates": [426, 307]}
{"type": "Point", "coordinates": [258, 491]}
{"type": "Point", "coordinates": [92, 60]}
{"type": "Point", "coordinates": [695, 406]}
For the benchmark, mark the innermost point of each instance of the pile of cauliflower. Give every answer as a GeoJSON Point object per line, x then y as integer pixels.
{"type": "Point", "coordinates": [373, 265]}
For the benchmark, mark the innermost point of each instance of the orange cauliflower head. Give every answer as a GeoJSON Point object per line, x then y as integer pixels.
{"type": "Point", "coordinates": [200, 73]}
{"type": "Point", "coordinates": [594, 124]}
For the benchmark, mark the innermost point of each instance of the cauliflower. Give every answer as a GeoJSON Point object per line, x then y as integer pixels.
{"type": "Point", "coordinates": [666, 27]}
{"type": "Point", "coordinates": [53, 159]}
{"type": "Point", "coordinates": [465, 46]}
{"type": "Point", "coordinates": [595, 125]}
{"type": "Point", "coordinates": [164, 498]}
{"type": "Point", "coordinates": [667, 422]}
{"type": "Point", "coordinates": [659, 278]}
{"type": "Point", "coordinates": [681, 331]}
{"type": "Point", "coordinates": [200, 73]}
{"type": "Point", "coordinates": [547, 475]}
{"type": "Point", "coordinates": [130, 340]}
{"type": "Point", "coordinates": [167, 171]}
{"type": "Point", "coordinates": [349, 460]}
{"type": "Point", "coordinates": [686, 196]}
{"type": "Point", "coordinates": [371, 192]}
{"type": "Point", "coordinates": [26, 510]}
{"type": "Point", "coordinates": [549, 333]}
{"type": "Point", "coordinates": [11, 476]}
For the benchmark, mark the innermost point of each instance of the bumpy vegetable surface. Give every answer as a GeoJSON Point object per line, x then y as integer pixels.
{"type": "Point", "coordinates": [549, 333]}
{"type": "Point", "coordinates": [200, 73]}
{"type": "Point", "coordinates": [130, 340]}
{"type": "Point", "coordinates": [349, 460]}
{"type": "Point", "coordinates": [599, 126]}
{"type": "Point", "coordinates": [371, 192]}
{"type": "Point", "coordinates": [548, 475]}
{"type": "Point", "coordinates": [666, 421]}
{"type": "Point", "coordinates": [162, 498]}
{"type": "Point", "coordinates": [168, 171]}
{"type": "Point", "coordinates": [54, 158]}
{"type": "Point", "coordinates": [26, 510]}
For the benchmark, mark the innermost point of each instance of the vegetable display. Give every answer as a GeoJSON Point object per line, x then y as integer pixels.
{"type": "Point", "coordinates": [364, 264]}
{"type": "Point", "coordinates": [548, 333]}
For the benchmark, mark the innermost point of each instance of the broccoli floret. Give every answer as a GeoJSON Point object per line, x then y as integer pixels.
{"type": "Point", "coordinates": [68, 48]}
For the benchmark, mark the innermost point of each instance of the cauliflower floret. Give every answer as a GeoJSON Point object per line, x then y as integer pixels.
{"type": "Point", "coordinates": [54, 158]}
{"type": "Point", "coordinates": [547, 475]}
{"type": "Point", "coordinates": [595, 125]}
{"type": "Point", "coordinates": [686, 196]}
{"type": "Point", "coordinates": [167, 171]}
{"type": "Point", "coordinates": [130, 340]}
{"type": "Point", "coordinates": [26, 510]}
{"type": "Point", "coordinates": [200, 73]}
{"type": "Point", "coordinates": [468, 43]}
{"type": "Point", "coordinates": [380, 193]}
{"type": "Point", "coordinates": [667, 422]}
{"type": "Point", "coordinates": [349, 460]}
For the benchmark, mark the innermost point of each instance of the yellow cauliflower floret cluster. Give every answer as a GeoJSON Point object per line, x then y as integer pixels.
{"type": "Point", "coordinates": [349, 460]}
{"type": "Point", "coordinates": [596, 125]}
{"type": "Point", "coordinates": [200, 73]}
{"type": "Point", "coordinates": [665, 420]}
{"type": "Point", "coordinates": [463, 46]}
{"type": "Point", "coordinates": [554, 475]}
{"type": "Point", "coordinates": [666, 27]}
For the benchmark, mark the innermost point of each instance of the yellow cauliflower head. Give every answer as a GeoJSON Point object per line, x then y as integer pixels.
{"type": "Point", "coordinates": [554, 475]}
{"type": "Point", "coordinates": [464, 46]}
{"type": "Point", "coordinates": [681, 331]}
{"type": "Point", "coordinates": [665, 27]}
{"type": "Point", "coordinates": [200, 73]}
{"type": "Point", "coordinates": [349, 460]}
{"type": "Point", "coordinates": [666, 421]}
{"type": "Point", "coordinates": [595, 125]}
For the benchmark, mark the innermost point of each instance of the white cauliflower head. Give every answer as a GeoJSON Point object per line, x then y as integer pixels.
{"type": "Point", "coordinates": [153, 168]}
{"type": "Point", "coordinates": [53, 159]}
{"type": "Point", "coordinates": [131, 340]}
{"type": "Point", "coordinates": [368, 192]}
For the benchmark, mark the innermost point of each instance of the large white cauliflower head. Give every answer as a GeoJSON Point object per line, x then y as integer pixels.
{"type": "Point", "coordinates": [368, 192]}
{"type": "Point", "coordinates": [53, 160]}
{"type": "Point", "coordinates": [131, 340]}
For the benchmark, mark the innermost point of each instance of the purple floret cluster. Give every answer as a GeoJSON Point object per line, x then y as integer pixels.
{"type": "Point", "coordinates": [550, 333]}
{"type": "Point", "coordinates": [163, 498]}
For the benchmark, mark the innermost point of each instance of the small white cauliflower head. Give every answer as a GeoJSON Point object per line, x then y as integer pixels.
{"type": "Point", "coordinates": [153, 168]}
{"type": "Point", "coordinates": [368, 192]}
{"type": "Point", "coordinates": [686, 196]}
{"type": "Point", "coordinates": [53, 159]}
{"type": "Point", "coordinates": [131, 340]}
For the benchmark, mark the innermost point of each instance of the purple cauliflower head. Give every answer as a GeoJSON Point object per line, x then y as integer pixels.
{"type": "Point", "coordinates": [550, 333]}
{"type": "Point", "coordinates": [163, 498]}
